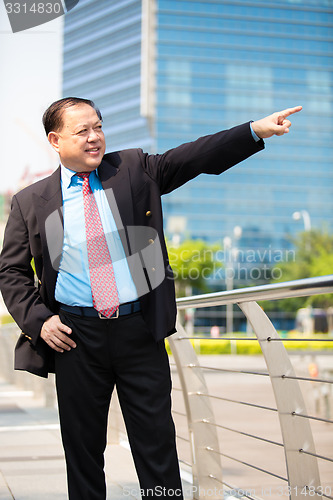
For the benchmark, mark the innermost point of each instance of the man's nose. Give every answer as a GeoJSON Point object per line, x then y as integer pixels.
{"type": "Point", "coordinates": [93, 135]}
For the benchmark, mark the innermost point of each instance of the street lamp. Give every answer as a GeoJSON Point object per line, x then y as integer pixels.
{"type": "Point", "coordinates": [230, 253]}
{"type": "Point", "coordinates": [303, 214]}
{"type": "Point", "coordinates": [176, 225]}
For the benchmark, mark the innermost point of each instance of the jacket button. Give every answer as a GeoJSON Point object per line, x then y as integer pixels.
{"type": "Point", "coordinates": [148, 213]}
{"type": "Point", "coordinates": [153, 269]}
{"type": "Point", "coordinates": [150, 241]}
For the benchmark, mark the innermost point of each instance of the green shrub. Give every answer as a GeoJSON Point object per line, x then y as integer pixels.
{"type": "Point", "coordinates": [251, 347]}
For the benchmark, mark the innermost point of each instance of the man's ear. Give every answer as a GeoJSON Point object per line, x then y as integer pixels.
{"type": "Point", "coordinates": [53, 138]}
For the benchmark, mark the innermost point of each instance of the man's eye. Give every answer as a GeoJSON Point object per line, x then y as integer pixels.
{"type": "Point", "coordinates": [82, 131]}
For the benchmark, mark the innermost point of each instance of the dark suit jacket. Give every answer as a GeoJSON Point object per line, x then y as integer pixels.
{"type": "Point", "coordinates": [137, 181]}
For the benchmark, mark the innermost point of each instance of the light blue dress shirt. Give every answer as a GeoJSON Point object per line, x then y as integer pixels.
{"type": "Point", "coordinates": [254, 135]}
{"type": "Point", "coordinates": [73, 281]}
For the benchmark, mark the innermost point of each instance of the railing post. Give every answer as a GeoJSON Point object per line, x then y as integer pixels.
{"type": "Point", "coordinates": [206, 465]}
{"type": "Point", "coordinates": [302, 469]}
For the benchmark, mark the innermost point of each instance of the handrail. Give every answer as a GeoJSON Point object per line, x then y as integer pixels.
{"type": "Point", "coordinates": [275, 291]}
{"type": "Point", "coordinates": [302, 468]}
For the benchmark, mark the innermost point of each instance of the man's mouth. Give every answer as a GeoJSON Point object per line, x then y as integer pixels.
{"type": "Point", "coordinates": [93, 150]}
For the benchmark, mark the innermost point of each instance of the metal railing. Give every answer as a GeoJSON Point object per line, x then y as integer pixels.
{"type": "Point", "coordinates": [302, 477]}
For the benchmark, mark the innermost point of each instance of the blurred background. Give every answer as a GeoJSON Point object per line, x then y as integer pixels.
{"type": "Point", "coordinates": [164, 72]}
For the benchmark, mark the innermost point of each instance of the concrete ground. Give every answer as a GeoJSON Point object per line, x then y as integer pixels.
{"type": "Point", "coordinates": [32, 465]}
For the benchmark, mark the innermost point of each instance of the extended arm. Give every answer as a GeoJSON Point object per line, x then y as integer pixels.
{"type": "Point", "coordinates": [213, 154]}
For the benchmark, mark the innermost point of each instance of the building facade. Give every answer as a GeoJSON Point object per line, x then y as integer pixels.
{"type": "Point", "coordinates": [168, 71]}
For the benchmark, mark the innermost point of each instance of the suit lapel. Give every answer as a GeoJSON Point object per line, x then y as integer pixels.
{"type": "Point", "coordinates": [48, 209]}
{"type": "Point", "coordinates": [117, 187]}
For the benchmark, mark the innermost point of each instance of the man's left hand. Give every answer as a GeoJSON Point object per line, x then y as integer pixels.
{"type": "Point", "coordinates": [275, 124]}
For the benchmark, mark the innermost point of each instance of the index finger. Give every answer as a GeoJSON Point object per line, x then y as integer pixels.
{"type": "Point", "coordinates": [290, 111]}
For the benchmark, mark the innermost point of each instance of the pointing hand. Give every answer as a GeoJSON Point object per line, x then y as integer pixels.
{"type": "Point", "coordinates": [275, 124]}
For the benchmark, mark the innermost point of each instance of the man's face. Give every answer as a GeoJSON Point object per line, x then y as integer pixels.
{"type": "Point", "coordinates": [80, 142]}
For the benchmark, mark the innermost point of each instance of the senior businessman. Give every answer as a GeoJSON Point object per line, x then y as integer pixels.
{"type": "Point", "coordinates": [101, 300]}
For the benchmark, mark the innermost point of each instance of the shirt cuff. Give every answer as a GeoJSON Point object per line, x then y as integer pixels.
{"type": "Point", "coordinates": [254, 135]}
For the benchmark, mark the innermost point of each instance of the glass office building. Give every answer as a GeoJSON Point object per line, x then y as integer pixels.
{"type": "Point", "coordinates": [168, 71]}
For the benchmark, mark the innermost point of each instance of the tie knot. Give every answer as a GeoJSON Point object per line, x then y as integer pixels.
{"type": "Point", "coordinates": [83, 175]}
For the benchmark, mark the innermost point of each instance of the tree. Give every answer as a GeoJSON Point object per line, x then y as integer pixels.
{"type": "Point", "coordinates": [193, 263]}
{"type": "Point", "coordinates": [313, 257]}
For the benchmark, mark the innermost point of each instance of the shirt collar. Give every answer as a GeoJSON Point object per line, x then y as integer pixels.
{"type": "Point", "coordinates": [68, 175]}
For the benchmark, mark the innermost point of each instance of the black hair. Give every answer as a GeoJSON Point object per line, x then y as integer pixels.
{"type": "Point", "coordinates": [52, 118]}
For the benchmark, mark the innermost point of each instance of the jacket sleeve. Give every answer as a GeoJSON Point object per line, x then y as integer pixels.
{"type": "Point", "coordinates": [17, 280]}
{"type": "Point", "coordinates": [212, 154]}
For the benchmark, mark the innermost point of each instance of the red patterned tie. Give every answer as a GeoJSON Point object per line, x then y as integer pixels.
{"type": "Point", "coordinates": [102, 280]}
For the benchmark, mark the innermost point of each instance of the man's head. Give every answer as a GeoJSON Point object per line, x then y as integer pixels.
{"type": "Point", "coordinates": [74, 129]}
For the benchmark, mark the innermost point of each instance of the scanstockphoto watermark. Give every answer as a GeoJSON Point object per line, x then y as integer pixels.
{"type": "Point", "coordinates": [213, 493]}
{"type": "Point", "coordinates": [26, 14]}
{"type": "Point", "coordinates": [249, 264]}
{"type": "Point", "coordinates": [238, 272]}
{"type": "Point", "coordinates": [189, 491]}
{"type": "Point", "coordinates": [136, 248]}
{"type": "Point", "coordinates": [268, 255]}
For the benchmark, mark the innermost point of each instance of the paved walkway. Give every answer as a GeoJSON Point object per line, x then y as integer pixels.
{"type": "Point", "coordinates": [32, 465]}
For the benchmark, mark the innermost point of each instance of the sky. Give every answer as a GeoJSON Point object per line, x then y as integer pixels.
{"type": "Point", "coordinates": [31, 79]}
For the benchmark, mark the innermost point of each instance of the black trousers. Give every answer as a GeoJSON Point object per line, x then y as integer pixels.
{"type": "Point", "coordinates": [117, 352]}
